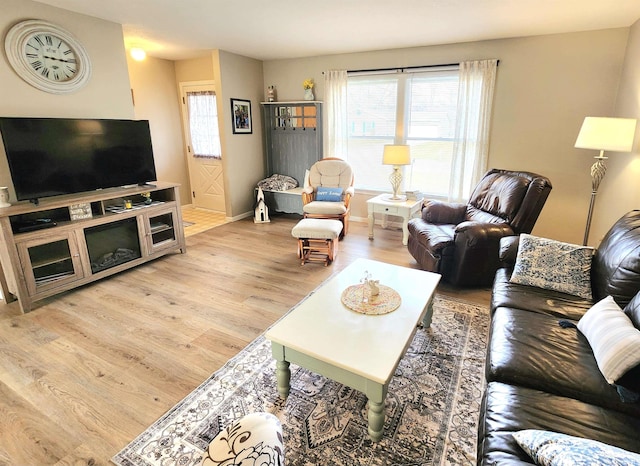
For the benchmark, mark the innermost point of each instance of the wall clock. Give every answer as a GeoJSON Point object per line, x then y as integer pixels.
{"type": "Point", "coordinates": [47, 57]}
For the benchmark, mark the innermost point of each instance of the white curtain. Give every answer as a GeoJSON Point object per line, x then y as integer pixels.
{"type": "Point", "coordinates": [471, 146]}
{"type": "Point", "coordinates": [203, 124]}
{"type": "Point", "coordinates": [335, 133]}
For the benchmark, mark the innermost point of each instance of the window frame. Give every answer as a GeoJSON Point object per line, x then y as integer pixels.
{"type": "Point", "coordinates": [402, 123]}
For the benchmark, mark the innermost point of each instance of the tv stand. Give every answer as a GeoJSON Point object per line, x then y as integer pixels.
{"type": "Point", "coordinates": [88, 237]}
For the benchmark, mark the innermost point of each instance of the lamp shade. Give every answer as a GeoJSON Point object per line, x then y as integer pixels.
{"type": "Point", "coordinates": [612, 134]}
{"type": "Point", "coordinates": [396, 155]}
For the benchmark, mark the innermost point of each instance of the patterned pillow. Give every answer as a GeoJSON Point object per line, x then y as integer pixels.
{"type": "Point", "coordinates": [613, 338]}
{"type": "Point", "coordinates": [552, 265]}
{"type": "Point", "coordinates": [329, 194]}
{"type": "Point", "coordinates": [554, 449]}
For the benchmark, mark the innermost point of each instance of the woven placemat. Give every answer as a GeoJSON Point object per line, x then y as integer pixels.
{"type": "Point", "coordinates": [388, 300]}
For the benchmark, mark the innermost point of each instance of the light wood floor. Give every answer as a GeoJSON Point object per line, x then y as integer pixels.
{"type": "Point", "coordinates": [83, 374]}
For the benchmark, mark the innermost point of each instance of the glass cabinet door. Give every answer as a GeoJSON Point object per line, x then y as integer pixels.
{"type": "Point", "coordinates": [161, 230]}
{"type": "Point", "coordinates": [50, 262]}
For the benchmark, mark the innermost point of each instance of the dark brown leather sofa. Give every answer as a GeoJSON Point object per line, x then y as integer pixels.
{"type": "Point", "coordinates": [461, 241]}
{"type": "Point", "coordinates": [543, 376]}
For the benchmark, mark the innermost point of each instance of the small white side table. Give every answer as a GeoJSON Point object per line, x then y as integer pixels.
{"type": "Point", "coordinates": [382, 205]}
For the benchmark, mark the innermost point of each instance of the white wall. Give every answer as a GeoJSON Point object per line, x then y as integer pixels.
{"type": "Point", "coordinates": [546, 85]}
{"type": "Point", "coordinates": [106, 95]}
{"type": "Point", "coordinates": [153, 83]}
{"type": "Point", "coordinates": [620, 189]}
{"type": "Point", "coordinates": [243, 158]}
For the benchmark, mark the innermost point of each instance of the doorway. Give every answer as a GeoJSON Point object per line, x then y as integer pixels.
{"type": "Point", "coordinates": [203, 148]}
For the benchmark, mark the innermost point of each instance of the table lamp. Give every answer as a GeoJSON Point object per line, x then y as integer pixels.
{"type": "Point", "coordinates": [614, 134]}
{"type": "Point", "coordinates": [396, 155]}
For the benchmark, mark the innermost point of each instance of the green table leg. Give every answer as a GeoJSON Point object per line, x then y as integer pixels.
{"type": "Point", "coordinates": [376, 420]}
{"type": "Point", "coordinates": [428, 315]}
{"type": "Point", "coordinates": [283, 373]}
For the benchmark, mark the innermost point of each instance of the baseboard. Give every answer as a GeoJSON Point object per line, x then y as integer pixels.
{"type": "Point", "coordinates": [240, 217]}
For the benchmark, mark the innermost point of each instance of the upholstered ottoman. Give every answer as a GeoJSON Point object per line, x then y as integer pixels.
{"type": "Point", "coordinates": [317, 239]}
{"type": "Point", "coordinates": [254, 439]}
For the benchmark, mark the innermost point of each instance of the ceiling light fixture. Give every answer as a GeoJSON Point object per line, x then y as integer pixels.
{"type": "Point", "coordinates": [138, 54]}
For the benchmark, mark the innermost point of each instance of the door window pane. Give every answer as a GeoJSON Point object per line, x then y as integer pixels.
{"type": "Point", "coordinates": [203, 124]}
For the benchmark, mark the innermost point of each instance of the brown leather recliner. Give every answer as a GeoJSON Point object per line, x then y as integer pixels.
{"type": "Point", "coordinates": [461, 241]}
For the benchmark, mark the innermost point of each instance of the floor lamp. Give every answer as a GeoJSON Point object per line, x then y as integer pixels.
{"type": "Point", "coordinates": [613, 134]}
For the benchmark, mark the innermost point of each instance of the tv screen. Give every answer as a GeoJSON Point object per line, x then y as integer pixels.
{"type": "Point", "coordinates": [54, 156]}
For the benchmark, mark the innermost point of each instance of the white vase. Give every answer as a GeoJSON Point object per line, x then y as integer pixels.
{"type": "Point", "coordinates": [4, 196]}
{"type": "Point", "coordinates": [308, 94]}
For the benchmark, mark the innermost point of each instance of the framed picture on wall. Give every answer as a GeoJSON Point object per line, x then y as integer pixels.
{"type": "Point", "coordinates": [241, 115]}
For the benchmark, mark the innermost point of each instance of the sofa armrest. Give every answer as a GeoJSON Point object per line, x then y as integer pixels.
{"type": "Point", "coordinates": [484, 230]}
{"type": "Point", "coordinates": [476, 252]}
{"type": "Point", "coordinates": [508, 250]}
{"type": "Point", "coordinates": [444, 213]}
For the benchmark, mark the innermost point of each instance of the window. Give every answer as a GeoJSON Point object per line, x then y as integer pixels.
{"type": "Point", "coordinates": [203, 124]}
{"type": "Point", "coordinates": [417, 108]}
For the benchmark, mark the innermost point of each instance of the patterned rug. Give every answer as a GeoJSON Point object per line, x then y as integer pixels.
{"type": "Point", "coordinates": [431, 409]}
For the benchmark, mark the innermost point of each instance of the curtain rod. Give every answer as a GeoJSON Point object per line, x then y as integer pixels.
{"type": "Point", "coordinates": [402, 69]}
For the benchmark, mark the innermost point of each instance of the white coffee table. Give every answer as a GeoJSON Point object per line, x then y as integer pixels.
{"type": "Point", "coordinates": [358, 350]}
{"type": "Point", "coordinates": [406, 209]}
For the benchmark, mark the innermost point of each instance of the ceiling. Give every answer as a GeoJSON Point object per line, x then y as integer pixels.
{"type": "Point", "coordinates": [278, 29]}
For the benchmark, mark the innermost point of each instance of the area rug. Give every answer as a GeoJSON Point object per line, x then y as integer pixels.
{"type": "Point", "coordinates": [432, 406]}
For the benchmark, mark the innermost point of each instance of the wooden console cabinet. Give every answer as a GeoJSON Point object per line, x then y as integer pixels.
{"type": "Point", "coordinates": [71, 251]}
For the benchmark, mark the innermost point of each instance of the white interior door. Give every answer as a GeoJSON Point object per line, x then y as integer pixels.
{"type": "Point", "coordinates": [202, 139]}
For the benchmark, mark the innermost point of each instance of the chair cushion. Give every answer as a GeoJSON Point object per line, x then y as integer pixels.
{"type": "Point", "coordinates": [552, 359]}
{"type": "Point", "coordinates": [532, 299]}
{"type": "Point", "coordinates": [434, 237]}
{"type": "Point", "coordinates": [553, 265]}
{"type": "Point", "coordinates": [500, 194]}
{"type": "Point", "coordinates": [332, 173]}
{"type": "Point", "coordinates": [317, 228]}
{"type": "Point", "coordinates": [510, 408]}
{"type": "Point", "coordinates": [324, 208]}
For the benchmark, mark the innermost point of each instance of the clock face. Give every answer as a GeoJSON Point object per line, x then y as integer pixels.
{"type": "Point", "coordinates": [47, 57]}
{"type": "Point", "coordinates": [51, 57]}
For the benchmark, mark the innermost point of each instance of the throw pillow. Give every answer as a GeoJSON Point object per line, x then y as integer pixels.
{"type": "Point", "coordinates": [554, 449]}
{"type": "Point", "coordinates": [613, 338]}
{"type": "Point", "coordinates": [329, 194]}
{"type": "Point", "coordinates": [553, 265]}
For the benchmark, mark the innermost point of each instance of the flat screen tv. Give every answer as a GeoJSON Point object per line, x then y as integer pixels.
{"type": "Point", "coordinates": [54, 156]}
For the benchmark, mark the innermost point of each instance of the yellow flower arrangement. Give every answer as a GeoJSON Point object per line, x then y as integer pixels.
{"type": "Point", "coordinates": [308, 83]}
